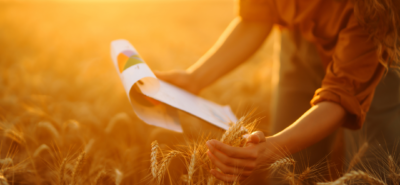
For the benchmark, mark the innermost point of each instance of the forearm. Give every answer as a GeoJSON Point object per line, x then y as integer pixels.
{"type": "Point", "coordinates": [239, 41]}
{"type": "Point", "coordinates": [317, 123]}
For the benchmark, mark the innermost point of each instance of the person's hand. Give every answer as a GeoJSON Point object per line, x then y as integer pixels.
{"type": "Point", "coordinates": [239, 163]}
{"type": "Point", "coordinates": [180, 78]}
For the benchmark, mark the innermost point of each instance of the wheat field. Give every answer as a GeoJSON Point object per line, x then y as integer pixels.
{"type": "Point", "coordinates": [60, 94]}
{"type": "Point", "coordinates": [64, 115]}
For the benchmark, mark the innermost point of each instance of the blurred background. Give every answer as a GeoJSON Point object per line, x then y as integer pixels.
{"type": "Point", "coordinates": [59, 88]}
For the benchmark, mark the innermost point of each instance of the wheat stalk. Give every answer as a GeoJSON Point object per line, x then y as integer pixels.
{"type": "Point", "coordinates": [393, 170]}
{"type": "Point", "coordinates": [78, 167]}
{"type": "Point", "coordinates": [3, 180]}
{"type": "Point", "coordinates": [164, 165]}
{"type": "Point", "coordinates": [357, 158]}
{"type": "Point", "coordinates": [89, 145]}
{"type": "Point", "coordinates": [356, 175]}
{"type": "Point", "coordinates": [192, 164]}
{"type": "Point", "coordinates": [118, 177]}
{"type": "Point", "coordinates": [236, 182]}
{"type": "Point", "coordinates": [327, 183]}
{"type": "Point", "coordinates": [62, 171]}
{"type": "Point", "coordinates": [6, 162]}
{"type": "Point", "coordinates": [154, 161]}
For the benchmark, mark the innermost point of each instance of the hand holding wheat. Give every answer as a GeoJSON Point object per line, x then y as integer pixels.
{"type": "Point", "coordinates": [238, 162]}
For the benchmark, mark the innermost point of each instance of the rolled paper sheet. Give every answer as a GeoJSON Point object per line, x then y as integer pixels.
{"type": "Point", "coordinates": [155, 101]}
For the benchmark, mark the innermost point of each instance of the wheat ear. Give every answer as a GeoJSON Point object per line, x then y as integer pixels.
{"type": "Point", "coordinates": [280, 163]}
{"type": "Point", "coordinates": [211, 180]}
{"type": "Point", "coordinates": [49, 127]}
{"type": "Point", "coordinates": [304, 175]}
{"type": "Point", "coordinates": [290, 177]}
{"type": "Point", "coordinates": [154, 161]}
{"type": "Point", "coordinates": [326, 183]}
{"type": "Point", "coordinates": [393, 170]}
{"type": "Point", "coordinates": [40, 149]}
{"type": "Point", "coordinates": [357, 158]}
{"type": "Point", "coordinates": [192, 164]}
{"type": "Point", "coordinates": [357, 175]}
{"type": "Point", "coordinates": [101, 174]}
{"type": "Point", "coordinates": [226, 136]}
{"type": "Point", "coordinates": [78, 167]}
{"type": "Point", "coordinates": [164, 165]}
{"type": "Point", "coordinates": [232, 129]}
{"type": "Point", "coordinates": [184, 178]}
{"type": "Point", "coordinates": [62, 171]}
{"type": "Point", "coordinates": [237, 137]}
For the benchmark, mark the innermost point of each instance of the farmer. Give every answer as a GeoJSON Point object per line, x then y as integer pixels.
{"type": "Point", "coordinates": [338, 54]}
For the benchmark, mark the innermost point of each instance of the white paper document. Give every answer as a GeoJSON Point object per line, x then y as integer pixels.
{"type": "Point", "coordinates": [155, 101]}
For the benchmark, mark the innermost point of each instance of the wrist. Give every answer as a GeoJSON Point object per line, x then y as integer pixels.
{"type": "Point", "coordinates": [195, 82]}
{"type": "Point", "coordinates": [274, 149]}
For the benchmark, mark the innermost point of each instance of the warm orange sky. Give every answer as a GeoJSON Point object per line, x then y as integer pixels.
{"type": "Point", "coordinates": [88, 0]}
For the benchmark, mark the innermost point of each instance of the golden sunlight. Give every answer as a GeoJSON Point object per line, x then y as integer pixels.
{"type": "Point", "coordinates": [122, 92]}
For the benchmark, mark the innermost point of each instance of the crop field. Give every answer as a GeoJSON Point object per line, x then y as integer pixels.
{"type": "Point", "coordinates": [64, 115]}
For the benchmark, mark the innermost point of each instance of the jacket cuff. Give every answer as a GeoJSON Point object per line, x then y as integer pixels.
{"type": "Point", "coordinates": [355, 115]}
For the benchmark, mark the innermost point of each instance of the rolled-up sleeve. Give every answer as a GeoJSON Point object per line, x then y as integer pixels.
{"type": "Point", "coordinates": [352, 75]}
{"type": "Point", "coordinates": [257, 10]}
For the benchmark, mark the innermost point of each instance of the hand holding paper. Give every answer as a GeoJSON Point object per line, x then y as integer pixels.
{"type": "Point", "coordinates": [155, 101]}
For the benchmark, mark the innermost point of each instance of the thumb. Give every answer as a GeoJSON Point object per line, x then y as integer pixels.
{"type": "Point", "coordinates": [256, 137]}
{"type": "Point", "coordinates": [159, 74]}
{"type": "Point", "coordinates": [166, 76]}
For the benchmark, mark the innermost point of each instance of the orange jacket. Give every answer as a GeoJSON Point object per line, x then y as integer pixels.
{"type": "Point", "coordinates": [348, 54]}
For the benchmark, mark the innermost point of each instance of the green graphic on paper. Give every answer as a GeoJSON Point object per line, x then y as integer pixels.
{"type": "Point", "coordinates": [133, 60]}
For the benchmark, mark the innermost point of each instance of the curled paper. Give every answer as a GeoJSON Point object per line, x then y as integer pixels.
{"type": "Point", "coordinates": [155, 101]}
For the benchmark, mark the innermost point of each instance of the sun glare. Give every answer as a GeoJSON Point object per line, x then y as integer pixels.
{"type": "Point", "coordinates": [84, 1]}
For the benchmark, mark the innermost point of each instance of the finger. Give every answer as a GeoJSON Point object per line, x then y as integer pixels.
{"type": "Point", "coordinates": [227, 169]}
{"type": "Point", "coordinates": [256, 137]}
{"type": "Point", "coordinates": [226, 177]}
{"type": "Point", "coordinates": [233, 162]}
{"type": "Point", "coordinates": [231, 151]}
